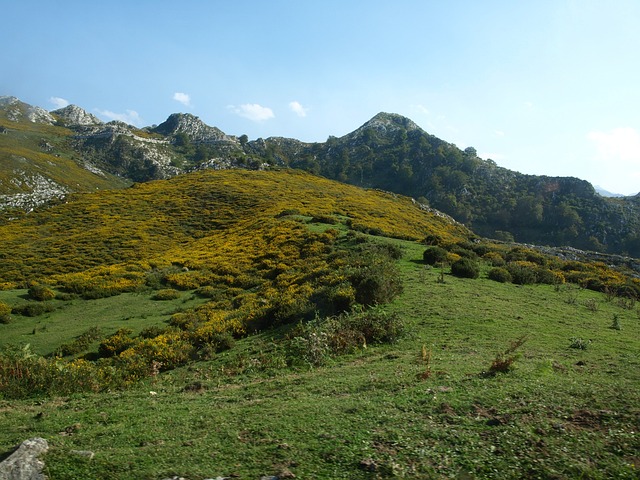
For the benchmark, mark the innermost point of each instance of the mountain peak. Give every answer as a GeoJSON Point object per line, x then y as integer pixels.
{"type": "Point", "coordinates": [16, 111]}
{"type": "Point", "coordinates": [196, 129]}
{"type": "Point", "coordinates": [74, 115]}
{"type": "Point", "coordinates": [385, 122]}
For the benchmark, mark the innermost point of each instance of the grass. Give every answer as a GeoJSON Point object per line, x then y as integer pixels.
{"type": "Point", "coordinates": [561, 413]}
{"type": "Point", "coordinates": [71, 318]}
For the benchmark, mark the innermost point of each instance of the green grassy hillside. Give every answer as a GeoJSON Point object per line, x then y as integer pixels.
{"type": "Point", "coordinates": [244, 323]}
{"type": "Point", "coordinates": [423, 407]}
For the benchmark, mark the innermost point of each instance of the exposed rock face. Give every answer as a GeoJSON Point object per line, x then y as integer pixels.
{"type": "Point", "coordinates": [24, 464]}
{"type": "Point", "coordinates": [74, 115]}
{"type": "Point", "coordinates": [16, 110]}
{"type": "Point", "coordinates": [40, 115]}
{"type": "Point", "coordinates": [37, 188]}
{"type": "Point", "coordinates": [385, 123]}
{"type": "Point", "coordinates": [6, 100]}
{"type": "Point", "coordinates": [196, 129]}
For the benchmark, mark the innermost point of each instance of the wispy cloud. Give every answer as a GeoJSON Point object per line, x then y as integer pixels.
{"type": "Point", "coordinates": [183, 98]}
{"type": "Point", "coordinates": [252, 111]}
{"type": "Point", "coordinates": [421, 109]}
{"type": "Point", "coordinates": [298, 109]}
{"type": "Point", "coordinates": [58, 102]}
{"type": "Point", "coordinates": [619, 144]}
{"type": "Point", "coordinates": [498, 133]}
{"type": "Point", "coordinates": [130, 116]}
{"type": "Point", "coordinates": [618, 158]}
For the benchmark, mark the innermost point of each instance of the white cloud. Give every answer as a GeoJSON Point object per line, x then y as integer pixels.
{"type": "Point", "coordinates": [252, 111]}
{"type": "Point", "coordinates": [420, 109]}
{"type": "Point", "coordinates": [298, 109]}
{"type": "Point", "coordinates": [619, 144]}
{"type": "Point", "coordinates": [183, 98]}
{"type": "Point", "coordinates": [498, 133]}
{"type": "Point", "coordinates": [131, 116]}
{"type": "Point", "coordinates": [59, 102]}
{"type": "Point", "coordinates": [529, 105]}
{"type": "Point", "coordinates": [618, 157]}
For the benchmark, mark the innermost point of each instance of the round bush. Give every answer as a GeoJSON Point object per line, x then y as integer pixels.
{"type": "Point", "coordinates": [42, 293]}
{"type": "Point", "coordinates": [495, 259]}
{"type": "Point", "coordinates": [523, 272]}
{"type": "Point", "coordinates": [433, 255]}
{"type": "Point", "coordinates": [500, 274]}
{"type": "Point", "coordinates": [5, 313]}
{"type": "Point", "coordinates": [465, 268]}
{"type": "Point", "coordinates": [167, 294]}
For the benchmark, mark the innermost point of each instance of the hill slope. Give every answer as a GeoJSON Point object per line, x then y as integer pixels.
{"type": "Point", "coordinates": [37, 163]}
{"type": "Point", "coordinates": [46, 155]}
{"type": "Point", "coordinates": [392, 153]}
{"type": "Point", "coordinates": [141, 307]}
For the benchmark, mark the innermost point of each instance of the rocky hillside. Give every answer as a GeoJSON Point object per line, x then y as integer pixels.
{"type": "Point", "coordinates": [391, 152]}
{"type": "Point", "coordinates": [46, 155]}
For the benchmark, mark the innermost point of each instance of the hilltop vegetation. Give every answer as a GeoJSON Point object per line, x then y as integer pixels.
{"type": "Point", "coordinates": [392, 153]}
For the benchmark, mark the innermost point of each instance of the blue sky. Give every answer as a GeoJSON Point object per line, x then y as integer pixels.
{"type": "Point", "coordinates": [549, 87]}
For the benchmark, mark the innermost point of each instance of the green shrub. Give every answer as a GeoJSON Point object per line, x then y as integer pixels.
{"type": "Point", "coordinates": [214, 293]}
{"type": "Point", "coordinates": [41, 293]}
{"type": "Point", "coordinates": [152, 331]}
{"type": "Point", "coordinates": [432, 240]}
{"type": "Point", "coordinates": [465, 268]}
{"type": "Point", "coordinates": [391, 250]}
{"type": "Point", "coordinates": [549, 277]}
{"type": "Point", "coordinates": [376, 325]}
{"type": "Point", "coordinates": [615, 324]}
{"type": "Point", "coordinates": [500, 274]}
{"type": "Point", "coordinates": [495, 259]}
{"type": "Point", "coordinates": [80, 344]}
{"type": "Point", "coordinates": [523, 272]}
{"type": "Point", "coordinates": [333, 299]}
{"type": "Point", "coordinates": [166, 294]}
{"type": "Point", "coordinates": [434, 255]}
{"type": "Point", "coordinates": [316, 341]}
{"type": "Point", "coordinates": [116, 343]}
{"type": "Point", "coordinates": [33, 309]}
{"type": "Point", "coordinates": [579, 343]}
{"type": "Point", "coordinates": [327, 219]}
{"type": "Point", "coordinates": [376, 280]}
{"type": "Point", "coordinates": [5, 313]}
{"type": "Point", "coordinates": [463, 252]}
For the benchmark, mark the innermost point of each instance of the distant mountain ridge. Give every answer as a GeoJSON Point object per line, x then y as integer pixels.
{"type": "Point", "coordinates": [388, 152]}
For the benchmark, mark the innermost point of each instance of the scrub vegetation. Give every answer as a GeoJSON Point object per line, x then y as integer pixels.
{"type": "Point", "coordinates": [244, 323]}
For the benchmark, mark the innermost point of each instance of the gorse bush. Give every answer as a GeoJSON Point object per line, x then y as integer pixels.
{"type": "Point", "coordinates": [375, 278]}
{"type": "Point", "coordinates": [495, 259]}
{"type": "Point", "coordinates": [465, 268]}
{"type": "Point", "coordinates": [5, 313]}
{"type": "Point", "coordinates": [500, 274]}
{"type": "Point", "coordinates": [167, 294]}
{"type": "Point", "coordinates": [42, 293]}
{"type": "Point", "coordinates": [313, 343]}
{"type": "Point", "coordinates": [24, 374]}
{"type": "Point", "coordinates": [33, 309]}
{"type": "Point", "coordinates": [434, 255]}
{"type": "Point", "coordinates": [523, 272]}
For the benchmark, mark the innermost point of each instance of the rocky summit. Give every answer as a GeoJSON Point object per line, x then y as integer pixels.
{"type": "Point", "coordinates": [74, 115]}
